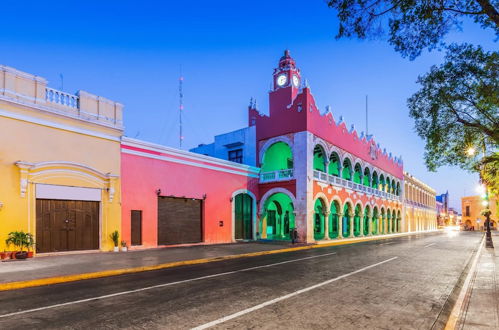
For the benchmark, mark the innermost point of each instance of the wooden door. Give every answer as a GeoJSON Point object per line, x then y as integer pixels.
{"type": "Point", "coordinates": [66, 225]}
{"type": "Point", "coordinates": [136, 227]}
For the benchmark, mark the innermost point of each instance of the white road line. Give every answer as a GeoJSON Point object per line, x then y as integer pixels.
{"type": "Point", "coordinates": [158, 286]}
{"type": "Point", "coordinates": [273, 301]}
{"type": "Point", "coordinates": [430, 245]}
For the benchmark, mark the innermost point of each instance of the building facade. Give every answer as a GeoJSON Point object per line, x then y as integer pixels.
{"type": "Point", "coordinates": [175, 197]}
{"type": "Point", "coordinates": [59, 164]}
{"type": "Point", "coordinates": [420, 207]}
{"type": "Point", "coordinates": [237, 146]}
{"type": "Point", "coordinates": [472, 217]}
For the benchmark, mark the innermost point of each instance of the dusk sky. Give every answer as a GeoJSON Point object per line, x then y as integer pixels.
{"type": "Point", "coordinates": [131, 52]}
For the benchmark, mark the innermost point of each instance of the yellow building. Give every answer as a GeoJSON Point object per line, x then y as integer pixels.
{"type": "Point", "coordinates": [420, 208]}
{"type": "Point", "coordinates": [472, 208]}
{"type": "Point", "coordinates": [59, 164]}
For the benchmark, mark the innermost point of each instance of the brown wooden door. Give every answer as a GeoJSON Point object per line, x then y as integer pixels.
{"type": "Point", "coordinates": [66, 225]}
{"type": "Point", "coordinates": [136, 227]}
{"type": "Point", "coordinates": [179, 220]}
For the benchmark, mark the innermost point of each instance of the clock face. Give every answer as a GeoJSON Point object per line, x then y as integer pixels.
{"type": "Point", "coordinates": [282, 79]}
{"type": "Point", "coordinates": [296, 80]}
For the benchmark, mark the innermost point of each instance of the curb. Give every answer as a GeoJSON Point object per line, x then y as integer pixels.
{"type": "Point", "coordinates": [456, 301]}
{"type": "Point", "coordinates": [115, 272]}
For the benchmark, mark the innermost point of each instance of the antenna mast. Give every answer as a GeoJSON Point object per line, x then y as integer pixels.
{"type": "Point", "coordinates": [181, 105]}
{"type": "Point", "coordinates": [367, 118]}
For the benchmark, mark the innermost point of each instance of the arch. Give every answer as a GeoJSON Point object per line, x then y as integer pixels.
{"type": "Point", "coordinates": [393, 186]}
{"type": "Point", "coordinates": [366, 219]}
{"type": "Point", "coordinates": [275, 191]}
{"type": "Point", "coordinates": [346, 172]}
{"type": "Point", "coordinates": [394, 221]}
{"type": "Point", "coordinates": [334, 164]}
{"type": "Point", "coordinates": [319, 161]}
{"type": "Point", "coordinates": [382, 182]}
{"type": "Point", "coordinates": [278, 217]}
{"type": "Point", "coordinates": [399, 222]}
{"type": "Point", "coordinates": [388, 183]}
{"type": "Point", "coordinates": [334, 216]}
{"type": "Point", "coordinates": [253, 212]}
{"type": "Point", "coordinates": [388, 221]}
{"type": "Point", "coordinates": [278, 156]}
{"type": "Point", "coordinates": [357, 175]}
{"type": "Point", "coordinates": [272, 141]}
{"type": "Point", "coordinates": [320, 210]}
{"type": "Point", "coordinates": [241, 229]}
{"type": "Point", "coordinates": [367, 177]}
{"type": "Point", "coordinates": [347, 215]}
{"type": "Point", "coordinates": [374, 180]}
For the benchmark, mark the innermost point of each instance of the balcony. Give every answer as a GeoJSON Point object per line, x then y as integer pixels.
{"type": "Point", "coordinates": [281, 175]}
{"type": "Point", "coordinates": [61, 98]}
{"type": "Point", "coordinates": [339, 182]}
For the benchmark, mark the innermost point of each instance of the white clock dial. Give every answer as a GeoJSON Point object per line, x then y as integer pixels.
{"type": "Point", "coordinates": [296, 80]}
{"type": "Point", "coordinates": [282, 79]}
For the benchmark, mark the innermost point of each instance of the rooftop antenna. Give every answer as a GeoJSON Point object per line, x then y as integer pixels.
{"type": "Point", "coordinates": [181, 104]}
{"type": "Point", "coordinates": [367, 117]}
{"type": "Point", "coordinates": [62, 81]}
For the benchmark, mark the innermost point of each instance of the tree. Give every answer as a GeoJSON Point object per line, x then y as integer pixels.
{"type": "Point", "coordinates": [413, 25]}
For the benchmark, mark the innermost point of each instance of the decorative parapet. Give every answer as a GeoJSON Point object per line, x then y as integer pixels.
{"type": "Point", "coordinates": [31, 90]}
{"type": "Point", "coordinates": [282, 175]}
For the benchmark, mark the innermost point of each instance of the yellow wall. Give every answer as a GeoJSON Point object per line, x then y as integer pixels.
{"type": "Point", "coordinates": [476, 208]}
{"type": "Point", "coordinates": [28, 135]}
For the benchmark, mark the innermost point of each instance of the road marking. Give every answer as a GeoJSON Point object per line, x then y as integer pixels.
{"type": "Point", "coordinates": [387, 243]}
{"type": "Point", "coordinates": [430, 245]}
{"type": "Point", "coordinates": [159, 286]}
{"type": "Point", "coordinates": [273, 301]}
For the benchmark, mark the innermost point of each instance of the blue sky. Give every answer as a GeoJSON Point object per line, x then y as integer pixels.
{"type": "Point", "coordinates": [132, 51]}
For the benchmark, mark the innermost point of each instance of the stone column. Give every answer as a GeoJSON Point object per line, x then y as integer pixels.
{"type": "Point", "coordinates": [361, 226]}
{"type": "Point", "coordinates": [326, 225]}
{"type": "Point", "coordinates": [340, 225]}
{"type": "Point", "coordinates": [351, 225]}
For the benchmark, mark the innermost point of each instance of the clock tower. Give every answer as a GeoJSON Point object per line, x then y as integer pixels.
{"type": "Point", "coordinates": [286, 83]}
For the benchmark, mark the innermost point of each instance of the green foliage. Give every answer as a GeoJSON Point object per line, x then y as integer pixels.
{"type": "Point", "coordinates": [20, 239]}
{"type": "Point", "coordinates": [489, 171]}
{"type": "Point", "coordinates": [115, 237]}
{"type": "Point", "coordinates": [457, 106]}
{"type": "Point", "coordinates": [412, 25]}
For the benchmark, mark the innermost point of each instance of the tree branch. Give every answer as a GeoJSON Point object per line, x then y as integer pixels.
{"type": "Point", "coordinates": [490, 11]}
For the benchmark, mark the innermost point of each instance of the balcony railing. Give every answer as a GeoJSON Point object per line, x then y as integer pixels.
{"type": "Point", "coordinates": [337, 181]}
{"type": "Point", "coordinates": [61, 98]}
{"type": "Point", "coordinates": [281, 175]}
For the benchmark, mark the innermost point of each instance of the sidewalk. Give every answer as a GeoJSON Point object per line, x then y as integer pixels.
{"type": "Point", "coordinates": [70, 264]}
{"type": "Point", "coordinates": [482, 310]}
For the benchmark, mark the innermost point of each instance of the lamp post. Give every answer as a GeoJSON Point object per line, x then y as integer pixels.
{"type": "Point", "coordinates": [485, 195]}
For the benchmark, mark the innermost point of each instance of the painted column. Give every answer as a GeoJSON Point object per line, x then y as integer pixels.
{"type": "Point", "coordinates": [326, 224]}
{"type": "Point", "coordinates": [351, 216]}
{"type": "Point", "coordinates": [340, 225]}
{"type": "Point", "coordinates": [362, 226]}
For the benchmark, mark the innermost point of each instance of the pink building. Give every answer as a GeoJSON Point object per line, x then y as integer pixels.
{"type": "Point", "coordinates": [176, 197]}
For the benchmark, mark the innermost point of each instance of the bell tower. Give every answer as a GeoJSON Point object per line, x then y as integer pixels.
{"type": "Point", "coordinates": [286, 83]}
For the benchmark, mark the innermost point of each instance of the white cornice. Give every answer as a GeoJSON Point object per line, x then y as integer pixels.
{"type": "Point", "coordinates": [189, 155]}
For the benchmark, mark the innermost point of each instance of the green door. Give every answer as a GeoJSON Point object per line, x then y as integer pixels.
{"type": "Point", "coordinates": [243, 216]}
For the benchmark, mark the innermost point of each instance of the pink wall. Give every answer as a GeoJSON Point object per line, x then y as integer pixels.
{"type": "Point", "coordinates": [292, 113]}
{"type": "Point", "coordinates": [179, 174]}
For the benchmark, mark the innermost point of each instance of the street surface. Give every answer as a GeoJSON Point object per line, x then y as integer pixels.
{"type": "Point", "coordinates": [399, 283]}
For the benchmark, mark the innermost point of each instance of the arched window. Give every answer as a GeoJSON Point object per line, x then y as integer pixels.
{"type": "Point", "coordinates": [319, 159]}
{"type": "Point", "coordinates": [375, 224]}
{"type": "Point", "coordinates": [347, 170]}
{"type": "Point", "coordinates": [366, 220]}
{"type": "Point", "coordinates": [357, 176]}
{"type": "Point", "coordinates": [319, 215]}
{"type": "Point", "coordinates": [382, 182]}
{"type": "Point", "coordinates": [334, 164]}
{"type": "Point", "coordinates": [375, 182]}
{"type": "Point", "coordinates": [388, 184]}
{"type": "Point", "coordinates": [334, 220]}
{"type": "Point", "coordinates": [277, 157]}
{"type": "Point", "coordinates": [347, 211]}
{"type": "Point", "coordinates": [367, 177]}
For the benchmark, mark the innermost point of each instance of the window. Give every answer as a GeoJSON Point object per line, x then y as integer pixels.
{"type": "Point", "coordinates": [467, 210]}
{"type": "Point", "coordinates": [236, 156]}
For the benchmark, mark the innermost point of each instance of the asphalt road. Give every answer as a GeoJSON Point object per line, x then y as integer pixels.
{"type": "Point", "coordinates": [400, 283]}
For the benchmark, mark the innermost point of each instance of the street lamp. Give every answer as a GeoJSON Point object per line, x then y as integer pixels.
{"type": "Point", "coordinates": [484, 193]}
